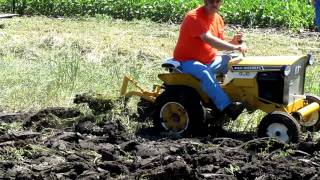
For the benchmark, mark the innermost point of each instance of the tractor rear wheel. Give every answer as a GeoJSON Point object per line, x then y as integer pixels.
{"type": "Point", "coordinates": [178, 110]}
{"type": "Point", "coordinates": [281, 126]}
{"type": "Point", "coordinates": [315, 115]}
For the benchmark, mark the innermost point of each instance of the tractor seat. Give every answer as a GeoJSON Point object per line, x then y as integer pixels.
{"type": "Point", "coordinates": [171, 65]}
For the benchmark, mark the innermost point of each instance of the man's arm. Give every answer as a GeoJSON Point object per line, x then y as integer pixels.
{"type": "Point", "coordinates": [220, 44]}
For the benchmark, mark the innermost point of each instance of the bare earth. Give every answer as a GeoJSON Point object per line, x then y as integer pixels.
{"type": "Point", "coordinates": [63, 143]}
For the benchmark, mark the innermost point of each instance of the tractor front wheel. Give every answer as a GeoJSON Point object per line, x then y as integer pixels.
{"type": "Point", "coordinates": [178, 110]}
{"type": "Point", "coordinates": [281, 126]}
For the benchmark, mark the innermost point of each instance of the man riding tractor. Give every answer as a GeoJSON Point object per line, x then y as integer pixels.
{"type": "Point", "coordinates": [201, 36]}
{"type": "Point", "coordinates": [191, 99]}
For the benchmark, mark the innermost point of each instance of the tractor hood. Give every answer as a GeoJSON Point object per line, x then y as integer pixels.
{"type": "Point", "coordinates": [261, 63]}
{"type": "Point", "coordinates": [280, 78]}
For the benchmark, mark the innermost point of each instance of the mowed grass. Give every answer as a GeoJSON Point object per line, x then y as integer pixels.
{"type": "Point", "coordinates": [45, 62]}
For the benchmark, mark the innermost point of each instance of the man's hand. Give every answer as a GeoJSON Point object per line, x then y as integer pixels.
{"type": "Point", "coordinates": [237, 38]}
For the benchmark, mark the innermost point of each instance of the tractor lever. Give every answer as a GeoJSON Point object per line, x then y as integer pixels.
{"type": "Point", "coordinates": [242, 42]}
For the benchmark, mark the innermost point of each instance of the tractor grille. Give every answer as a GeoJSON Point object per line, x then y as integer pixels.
{"type": "Point", "coordinates": [275, 87]}
{"type": "Point", "coordinates": [271, 86]}
{"type": "Point", "coordinates": [294, 83]}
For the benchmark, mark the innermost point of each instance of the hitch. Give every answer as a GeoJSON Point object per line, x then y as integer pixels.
{"type": "Point", "coordinates": [141, 92]}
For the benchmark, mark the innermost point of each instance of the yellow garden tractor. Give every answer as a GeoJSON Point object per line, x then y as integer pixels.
{"type": "Point", "coordinates": [273, 84]}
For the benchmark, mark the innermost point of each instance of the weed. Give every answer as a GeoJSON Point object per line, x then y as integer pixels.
{"type": "Point", "coordinates": [232, 169]}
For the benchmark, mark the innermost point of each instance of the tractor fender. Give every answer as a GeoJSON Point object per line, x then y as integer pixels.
{"type": "Point", "coordinates": [181, 79]}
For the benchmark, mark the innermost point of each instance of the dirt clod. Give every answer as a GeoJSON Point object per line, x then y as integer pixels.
{"type": "Point", "coordinates": [98, 105]}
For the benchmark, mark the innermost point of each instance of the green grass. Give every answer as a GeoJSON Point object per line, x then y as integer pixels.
{"type": "Point", "coordinates": [45, 62]}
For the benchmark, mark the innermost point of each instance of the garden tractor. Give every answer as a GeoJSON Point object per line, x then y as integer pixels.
{"type": "Point", "coordinates": [272, 84]}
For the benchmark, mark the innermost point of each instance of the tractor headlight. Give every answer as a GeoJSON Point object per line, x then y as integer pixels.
{"type": "Point", "coordinates": [311, 59]}
{"type": "Point", "coordinates": [286, 70]}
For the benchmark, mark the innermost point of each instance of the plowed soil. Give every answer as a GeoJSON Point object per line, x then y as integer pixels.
{"type": "Point", "coordinates": [63, 143]}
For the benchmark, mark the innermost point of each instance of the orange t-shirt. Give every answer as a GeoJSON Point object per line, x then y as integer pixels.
{"type": "Point", "coordinates": [190, 46]}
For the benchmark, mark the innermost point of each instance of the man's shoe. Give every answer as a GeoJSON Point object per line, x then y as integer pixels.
{"type": "Point", "coordinates": [234, 110]}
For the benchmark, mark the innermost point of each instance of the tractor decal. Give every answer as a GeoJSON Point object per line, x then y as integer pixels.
{"type": "Point", "coordinates": [256, 68]}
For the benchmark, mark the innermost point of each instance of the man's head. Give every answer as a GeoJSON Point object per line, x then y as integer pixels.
{"type": "Point", "coordinates": [212, 6]}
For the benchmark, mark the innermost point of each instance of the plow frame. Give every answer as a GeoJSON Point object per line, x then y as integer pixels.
{"type": "Point", "coordinates": [140, 92]}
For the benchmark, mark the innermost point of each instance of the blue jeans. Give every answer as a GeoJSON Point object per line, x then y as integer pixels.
{"type": "Point", "coordinates": [206, 74]}
{"type": "Point", "coordinates": [317, 11]}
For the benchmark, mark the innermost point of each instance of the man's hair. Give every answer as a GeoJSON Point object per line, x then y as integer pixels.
{"type": "Point", "coordinates": [211, 1]}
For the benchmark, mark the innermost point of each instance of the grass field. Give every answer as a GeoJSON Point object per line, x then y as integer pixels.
{"type": "Point", "coordinates": [44, 62]}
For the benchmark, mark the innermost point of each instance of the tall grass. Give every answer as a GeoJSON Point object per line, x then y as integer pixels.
{"type": "Point", "coordinates": [269, 13]}
{"type": "Point", "coordinates": [45, 62]}
{"type": "Point", "coordinates": [293, 14]}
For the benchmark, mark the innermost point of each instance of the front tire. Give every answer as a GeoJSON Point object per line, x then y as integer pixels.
{"type": "Point", "coordinates": [281, 126]}
{"type": "Point", "coordinates": [178, 110]}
